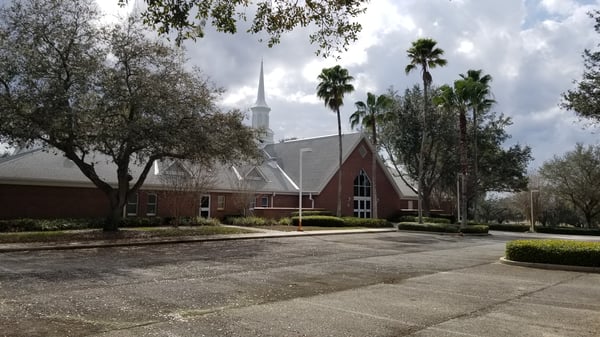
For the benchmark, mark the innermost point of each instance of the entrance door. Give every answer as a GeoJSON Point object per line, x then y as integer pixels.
{"type": "Point", "coordinates": [204, 206]}
{"type": "Point", "coordinates": [362, 196]}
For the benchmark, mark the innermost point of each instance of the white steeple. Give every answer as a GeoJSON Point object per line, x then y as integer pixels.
{"type": "Point", "coordinates": [260, 111]}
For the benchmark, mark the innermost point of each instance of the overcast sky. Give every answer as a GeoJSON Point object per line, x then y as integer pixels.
{"type": "Point", "coordinates": [531, 48]}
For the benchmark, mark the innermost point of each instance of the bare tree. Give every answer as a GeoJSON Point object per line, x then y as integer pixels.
{"type": "Point", "coordinates": [185, 183]}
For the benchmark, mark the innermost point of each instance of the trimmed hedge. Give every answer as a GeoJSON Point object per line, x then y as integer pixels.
{"type": "Point", "coordinates": [311, 212]}
{"type": "Point", "coordinates": [365, 222]}
{"type": "Point", "coordinates": [250, 221]}
{"type": "Point", "coordinates": [410, 218]}
{"type": "Point", "coordinates": [319, 221]}
{"type": "Point", "coordinates": [568, 230]}
{"type": "Point", "coordinates": [43, 225]}
{"type": "Point", "coordinates": [428, 227]}
{"type": "Point", "coordinates": [475, 229]}
{"type": "Point", "coordinates": [518, 227]}
{"type": "Point", "coordinates": [553, 251]}
{"type": "Point", "coordinates": [332, 221]}
{"type": "Point", "coordinates": [443, 228]}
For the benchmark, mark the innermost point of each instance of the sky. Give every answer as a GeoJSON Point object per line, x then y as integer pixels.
{"type": "Point", "coordinates": [532, 49]}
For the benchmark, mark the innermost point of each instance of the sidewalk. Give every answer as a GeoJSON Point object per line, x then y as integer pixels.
{"type": "Point", "coordinates": [261, 234]}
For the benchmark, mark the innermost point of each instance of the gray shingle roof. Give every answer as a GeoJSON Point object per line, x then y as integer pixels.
{"type": "Point", "coordinates": [319, 165]}
{"type": "Point", "coordinates": [279, 173]}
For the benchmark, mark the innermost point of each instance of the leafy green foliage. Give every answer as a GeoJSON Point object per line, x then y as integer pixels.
{"type": "Point", "coordinates": [410, 218]}
{"type": "Point", "coordinates": [366, 222]}
{"type": "Point", "coordinates": [585, 99]}
{"type": "Point", "coordinates": [41, 225]}
{"type": "Point", "coordinates": [575, 178]}
{"type": "Point", "coordinates": [306, 213]}
{"type": "Point", "coordinates": [443, 227]}
{"type": "Point", "coordinates": [250, 221]}
{"type": "Point", "coordinates": [320, 221]}
{"type": "Point", "coordinates": [30, 225]}
{"type": "Point", "coordinates": [333, 20]}
{"type": "Point", "coordinates": [334, 83]}
{"type": "Point", "coordinates": [85, 90]}
{"type": "Point", "coordinates": [429, 227]}
{"type": "Point", "coordinates": [564, 252]}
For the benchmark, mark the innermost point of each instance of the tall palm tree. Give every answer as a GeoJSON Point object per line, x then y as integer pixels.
{"type": "Point", "coordinates": [479, 102]}
{"type": "Point", "coordinates": [368, 114]}
{"type": "Point", "coordinates": [424, 54]}
{"type": "Point", "coordinates": [334, 83]}
{"type": "Point", "coordinates": [457, 99]}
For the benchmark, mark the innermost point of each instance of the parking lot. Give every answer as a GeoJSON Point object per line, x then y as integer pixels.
{"type": "Point", "coordinates": [383, 284]}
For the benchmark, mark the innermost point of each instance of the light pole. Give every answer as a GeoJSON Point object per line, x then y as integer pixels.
{"type": "Point", "coordinates": [532, 229]}
{"type": "Point", "coordinates": [302, 150]}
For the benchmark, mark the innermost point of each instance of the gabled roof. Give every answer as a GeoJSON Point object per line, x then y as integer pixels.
{"type": "Point", "coordinates": [278, 173]}
{"type": "Point", "coordinates": [318, 166]}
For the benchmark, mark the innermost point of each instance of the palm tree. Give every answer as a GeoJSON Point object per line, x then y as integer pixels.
{"type": "Point", "coordinates": [334, 83]}
{"type": "Point", "coordinates": [424, 54]}
{"type": "Point", "coordinates": [368, 114]}
{"type": "Point", "coordinates": [479, 102]}
{"type": "Point", "coordinates": [457, 99]}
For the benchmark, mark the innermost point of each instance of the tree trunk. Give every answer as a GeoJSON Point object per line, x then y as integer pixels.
{"type": "Point", "coordinates": [422, 153]}
{"type": "Point", "coordinates": [374, 213]}
{"type": "Point", "coordinates": [111, 223]}
{"type": "Point", "coordinates": [464, 166]}
{"type": "Point", "coordinates": [475, 169]}
{"type": "Point", "coordinates": [339, 192]}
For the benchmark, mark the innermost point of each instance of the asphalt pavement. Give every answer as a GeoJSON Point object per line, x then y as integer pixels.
{"type": "Point", "coordinates": [352, 284]}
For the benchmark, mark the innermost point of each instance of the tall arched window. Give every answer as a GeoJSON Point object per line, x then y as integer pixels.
{"type": "Point", "coordinates": [362, 195]}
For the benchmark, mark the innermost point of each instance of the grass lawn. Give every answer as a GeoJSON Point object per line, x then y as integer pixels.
{"type": "Point", "coordinates": [284, 228]}
{"type": "Point", "coordinates": [123, 234]}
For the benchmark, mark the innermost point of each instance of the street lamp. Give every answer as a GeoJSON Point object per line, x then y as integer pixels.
{"type": "Point", "coordinates": [532, 229]}
{"type": "Point", "coordinates": [302, 150]}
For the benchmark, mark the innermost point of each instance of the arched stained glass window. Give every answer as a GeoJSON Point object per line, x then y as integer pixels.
{"type": "Point", "coordinates": [362, 195]}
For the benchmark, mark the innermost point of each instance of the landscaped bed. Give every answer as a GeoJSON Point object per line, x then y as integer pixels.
{"type": "Point", "coordinates": [443, 228]}
{"type": "Point", "coordinates": [124, 234]}
{"type": "Point", "coordinates": [554, 251]}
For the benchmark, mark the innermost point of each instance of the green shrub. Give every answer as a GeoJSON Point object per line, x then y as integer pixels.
{"type": "Point", "coordinates": [42, 225]}
{"type": "Point", "coordinates": [251, 221]}
{"type": "Point", "coordinates": [285, 222]}
{"type": "Point", "coordinates": [410, 218]}
{"type": "Point", "coordinates": [475, 229]}
{"type": "Point", "coordinates": [564, 252]}
{"type": "Point", "coordinates": [517, 227]}
{"type": "Point", "coordinates": [312, 212]}
{"type": "Point", "coordinates": [366, 222]}
{"type": "Point", "coordinates": [428, 227]}
{"type": "Point", "coordinates": [141, 222]}
{"type": "Point", "coordinates": [568, 230]}
{"type": "Point", "coordinates": [443, 228]}
{"type": "Point", "coordinates": [319, 221]}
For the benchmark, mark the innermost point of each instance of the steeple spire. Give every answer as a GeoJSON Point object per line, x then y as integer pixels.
{"type": "Point", "coordinates": [260, 97]}
{"type": "Point", "coordinates": [260, 111]}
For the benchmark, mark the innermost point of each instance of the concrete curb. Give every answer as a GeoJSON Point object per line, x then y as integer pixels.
{"type": "Point", "coordinates": [548, 266]}
{"type": "Point", "coordinates": [7, 248]}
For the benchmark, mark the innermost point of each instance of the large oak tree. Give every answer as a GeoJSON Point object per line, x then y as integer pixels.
{"type": "Point", "coordinates": [76, 87]}
{"type": "Point", "coordinates": [332, 23]}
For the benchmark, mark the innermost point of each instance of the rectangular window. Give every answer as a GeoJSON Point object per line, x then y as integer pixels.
{"type": "Point", "coordinates": [151, 205]}
{"type": "Point", "coordinates": [221, 202]}
{"type": "Point", "coordinates": [410, 204]}
{"type": "Point", "coordinates": [132, 205]}
{"type": "Point", "coordinates": [264, 201]}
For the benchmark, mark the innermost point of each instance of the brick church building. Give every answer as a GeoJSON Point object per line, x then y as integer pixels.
{"type": "Point", "coordinates": [40, 183]}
